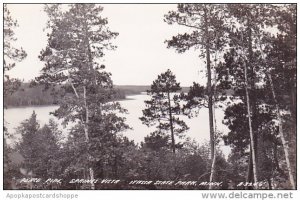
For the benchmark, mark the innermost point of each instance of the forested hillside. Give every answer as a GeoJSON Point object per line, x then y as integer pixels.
{"type": "Point", "coordinates": [27, 95]}
{"type": "Point", "coordinates": [37, 95]}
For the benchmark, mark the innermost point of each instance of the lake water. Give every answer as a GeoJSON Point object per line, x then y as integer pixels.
{"type": "Point", "coordinates": [199, 128]}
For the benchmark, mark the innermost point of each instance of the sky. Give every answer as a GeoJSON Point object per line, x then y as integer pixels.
{"type": "Point", "coordinates": [141, 54]}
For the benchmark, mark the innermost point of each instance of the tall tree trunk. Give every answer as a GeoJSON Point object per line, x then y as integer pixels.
{"type": "Point", "coordinates": [213, 170]}
{"type": "Point", "coordinates": [91, 69]}
{"type": "Point", "coordinates": [251, 104]}
{"type": "Point", "coordinates": [210, 97]}
{"type": "Point", "coordinates": [213, 165]}
{"type": "Point", "coordinates": [249, 178]}
{"type": "Point", "coordinates": [86, 132]}
{"type": "Point", "coordinates": [253, 101]}
{"type": "Point", "coordinates": [85, 125]}
{"type": "Point", "coordinates": [284, 142]}
{"type": "Point", "coordinates": [252, 146]}
{"type": "Point", "coordinates": [171, 123]}
{"type": "Point", "coordinates": [209, 91]}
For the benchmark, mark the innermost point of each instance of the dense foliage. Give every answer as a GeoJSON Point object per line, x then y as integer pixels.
{"type": "Point", "coordinates": [250, 61]}
{"type": "Point", "coordinates": [162, 109]}
{"type": "Point", "coordinates": [244, 39]}
{"type": "Point", "coordinates": [11, 54]}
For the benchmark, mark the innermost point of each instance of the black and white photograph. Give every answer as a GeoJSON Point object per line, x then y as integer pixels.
{"type": "Point", "coordinates": [150, 96]}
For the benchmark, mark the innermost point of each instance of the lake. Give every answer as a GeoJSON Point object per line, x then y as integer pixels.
{"type": "Point", "coordinates": [199, 128]}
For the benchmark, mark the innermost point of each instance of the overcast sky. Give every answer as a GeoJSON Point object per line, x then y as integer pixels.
{"type": "Point", "coordinates": [141, 54]}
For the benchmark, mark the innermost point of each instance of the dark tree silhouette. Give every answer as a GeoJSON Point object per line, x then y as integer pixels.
{"type": "Point", "coordinates": [163, 107]}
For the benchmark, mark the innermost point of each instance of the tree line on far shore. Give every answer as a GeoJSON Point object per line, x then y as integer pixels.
{"type": "Point", "coordinates": [36, 95]}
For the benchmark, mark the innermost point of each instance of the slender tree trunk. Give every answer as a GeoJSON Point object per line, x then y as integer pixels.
{"type": "Point", "coordinates": [284, 142]}
{"type": "Point", "coordinates": [250, 127]}
{"type": "Point", "coordinates": [209, 91]}
{"type": "Point", "coordinates": [171, 123]}
{"type": "Point", "coordinates": [85, 125]}
{"type": "Point", "coordinates": [86, 132]}
{"type": "Point", "coordinates": [251, 104]}
{"type": "Point", "coordinates": [213, 165]}
{"type": "Point", "coordinates": [210, 98]}
{"type": "Point", "coordinates": [89, 68]}
{"type": "Point", "coordinates": [249, 178]}
{"type": "Point", "coordinates": [213, 171]}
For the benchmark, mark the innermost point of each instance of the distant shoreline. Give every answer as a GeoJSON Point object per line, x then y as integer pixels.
{"type": "Point", "coordinates": [44, 105]}
{"type": "Point", "coordinates": [27, 96]}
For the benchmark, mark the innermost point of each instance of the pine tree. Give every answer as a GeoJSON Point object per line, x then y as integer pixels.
{"type": "Point", "coordinates": [272, 58]}
{"type": "Point", "coordinates": [244, 72]}
{"type": "Point", "coordinates": [163, 106]}
{"type": "Point", "coordinates": [49, 149]}
{"type": "Point", "coordinates": [206, 21]}
{"type": "Point", "coordinates": [10, 53]}
{"type": "Point", "coordinates": [40, 149]}
{"type": "Point", "coordinates": [29, 132]}
{"type": "Point", "coordinates": [79, 37]}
